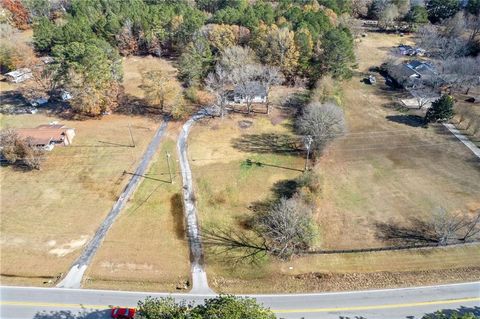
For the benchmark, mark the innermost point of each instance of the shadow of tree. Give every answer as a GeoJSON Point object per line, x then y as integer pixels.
{"type": "Point", "coordinates": [417, 232]}
{"type": "Point", "coordinates": [67, 314]}
{"type": "Point", "coordinates": [267, 143]}
{"type": "Point", "coordinates": [410, 120]}
{"type": "Point", "coordinates": [176, 204]}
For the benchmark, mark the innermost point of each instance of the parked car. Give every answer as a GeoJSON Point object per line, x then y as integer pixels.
{"type": "Point", "coordinates": [123, 313]}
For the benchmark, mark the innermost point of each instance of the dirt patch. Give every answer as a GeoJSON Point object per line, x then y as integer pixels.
{"type": "Point", "coordinates": [245, 124]}
{"type": "Point", "coordinates": [66, 248]}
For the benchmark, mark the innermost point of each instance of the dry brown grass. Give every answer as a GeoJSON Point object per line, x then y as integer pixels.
{"type": "Point", "coordinates": [48, 215]}
{"type": "Point", "coordinates": [387, 168]}
{"type": "Point", "coordinates": [134, 66]}
{"type": "Point", "coordinates": [146, 248]}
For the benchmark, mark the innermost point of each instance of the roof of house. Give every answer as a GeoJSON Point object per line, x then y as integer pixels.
{"type": "Point", "coordinates": [255, 87]}
{"type": "Point", "coordinates": [43, 134]}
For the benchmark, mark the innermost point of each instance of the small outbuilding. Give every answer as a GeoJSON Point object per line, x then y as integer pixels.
{"type": "Point", "coordinates": [48, 135]}
{"type": "Point", "coordinates": [19, 75]}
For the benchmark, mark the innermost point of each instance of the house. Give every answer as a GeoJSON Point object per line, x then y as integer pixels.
{"type": "Point", "coordinates": [405, 73]}
{"type": "Point", "coordinates": [19, 75]}
{"type": "Point", "coordinates": [48, 135]}
{"type": "Point", "coordinates": [254, 92]}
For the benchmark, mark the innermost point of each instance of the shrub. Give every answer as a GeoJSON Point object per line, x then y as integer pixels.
{"type": "Point", "coordinates": [18, 151]}
{"type": "Point", "coordinates": [441, 110]}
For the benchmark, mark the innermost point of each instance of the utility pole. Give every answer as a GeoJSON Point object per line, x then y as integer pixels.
{"type": "Point", "coordinates": [131, 135]}
{"type": "Point", "coordinates": [308, 144]}
{"type": "Point", "coordinates": [169, 169]}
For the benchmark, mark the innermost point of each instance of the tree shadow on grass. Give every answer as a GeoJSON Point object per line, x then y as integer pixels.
{"type": "Point", "coordinates": [176, 209]}
{"type": "Point", "coordinates": [67, 314]}
{"type": "Point", "coordinates": [415, 232]}
{"type": "Point", "coordinates": [267, 143]}
{"type": "Point", "coordinates": [410, 120]}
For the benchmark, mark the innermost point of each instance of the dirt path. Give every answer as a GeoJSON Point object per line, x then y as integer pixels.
{"type": "Point", "coordinates": [199, 276]}
{"type": "Point", "coordinates": [73, 279]}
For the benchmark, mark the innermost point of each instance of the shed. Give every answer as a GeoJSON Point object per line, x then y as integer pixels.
{"type": "Point", "coordinates": [19, 75]}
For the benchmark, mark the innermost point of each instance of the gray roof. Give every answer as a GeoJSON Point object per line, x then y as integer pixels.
{"type": "Point", "coordinates": [256, 87]}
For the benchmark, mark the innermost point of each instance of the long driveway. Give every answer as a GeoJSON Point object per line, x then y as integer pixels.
{"type": "Point", "coordinates": [199, 276]}
{"type": "Point", "coordinates": [407, 303]}
{"type": "Point", "coordinates": [73, 279]}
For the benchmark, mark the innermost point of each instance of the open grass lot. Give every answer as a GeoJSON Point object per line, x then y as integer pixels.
{"type": "Point", "coordinates": [49, 215]}
{"type": "Point", "coordinates": [146, 249]}
{"type": "Point", "coordinates": [387, 169]}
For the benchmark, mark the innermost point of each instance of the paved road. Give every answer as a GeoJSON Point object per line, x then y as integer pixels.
{"type": "Point", "coordinates": [73, 279]}
{"type": "Point", "coordinates": [199, 276]}
{"type": "Point", "coordinates": [407, 303]}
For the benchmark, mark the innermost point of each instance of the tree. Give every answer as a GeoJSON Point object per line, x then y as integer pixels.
{"type": "Point", "coordinates": [38, 8]}
{"type": "Point", "coordinates": [18, 151]}
{"type": "Point", "coordinates": [236, 57]}
{"type": "Point", "coordinates": [223, 306]}
{"type": "Point", "coordinates": [337, 56]}
{"type": "Point", "coordinates": [162, 308]}
{"type": "Point", "coordinates": [43, 34]}
{"type": "Point", "coordinates": [217, 82]}
{"type": "Point", "coordinates": [450, 315]}
{"type": "Point", "coordinates": [232, 307]}
{"type": "Point", "coordinates": [269, 76]}
{"type": "Point", "coordinates": [161, 90]}
{"type": "Point", "coordinates": [19, 14]}
{"type": "Point", "coordinates": [441, 45]}
{"type": "Point", "coordinates": [451, 228]}
{"type": "Point", "coordinates": [441, 9]}
{"type": "Point", "coordinates": [473, 6]}
{"type": "Point", "coordinates": [360, 8]}
{"type": "Point", "coordinates": [126, 41]}
{"type": "Point", "coordinates": [441, 110]}
{"type": "Point", "coordinates": [388, 16]}
{"type": "Point", "coordinates": [417, 14]}
{"type": "Point", "coordinates": [276, 46]}
{"type": "Point", "coordinates": [91, 72]}
{"type": "Point", "coordinates": [288, 227]}
{"type": "Point", "coordinates": [195, 62]}
{"type": "Point", "coordinates": [460, 72]}
{"type": "Point", "coordinates": [323, 122]}
{"type": "Point", "coordinates": [245, 80]}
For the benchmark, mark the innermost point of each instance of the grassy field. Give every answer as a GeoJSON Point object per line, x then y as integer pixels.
{"type": "Point", "coordinates": [146, 248]}
{"type": "Point", "coordinates": [386, 169]}
{"type": "Point", "coordinates": [49, 215]}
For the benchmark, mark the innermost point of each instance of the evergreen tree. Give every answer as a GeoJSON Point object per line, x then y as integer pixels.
{"type": "Point", "coordinates": [441, 9]}
{"type": "Point", "coordinates": [338, 55]}
{"type": "Point", "coordinates": [441, 110]}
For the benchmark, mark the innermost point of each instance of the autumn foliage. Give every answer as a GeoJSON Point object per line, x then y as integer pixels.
{"type": "Point", "coordinates": [20, 17]}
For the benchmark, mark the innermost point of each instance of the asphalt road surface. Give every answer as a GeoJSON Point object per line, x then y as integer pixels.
{"type": "Point", "coordinates": [73, 279]}
{"type": "Point", "coordinates": [405, 303]}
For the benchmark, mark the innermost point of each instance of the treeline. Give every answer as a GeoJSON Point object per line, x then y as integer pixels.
{"type": "Point", "coordinates": [86, 38]}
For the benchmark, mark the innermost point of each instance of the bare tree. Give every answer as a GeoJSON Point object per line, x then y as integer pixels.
{"type": "Point", "coordinates": [388, 16]}
{"type": "Point", "coordinates": [18, 151]}
{"type": "Point", "coordinates": [288, 227]}
{"type": "Point", "coordinates": [323, 122]}
{"type": "Point", "coordinates": [269, 76]}
{"type": "Point", "coordinates": [217, 82]}
{"type": "Point", "coordinates": [441, 45]}
{"type": "Point", "coordinates": [460, 72]}
{"type": "Point", "coordinates": [236, 57]}
{"type": "Point", "coordinates": [245, 80]}
{"type": "Point", "coordinates": [424, 91]}
{"type": "Point", "coordinates": [451, 228]}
